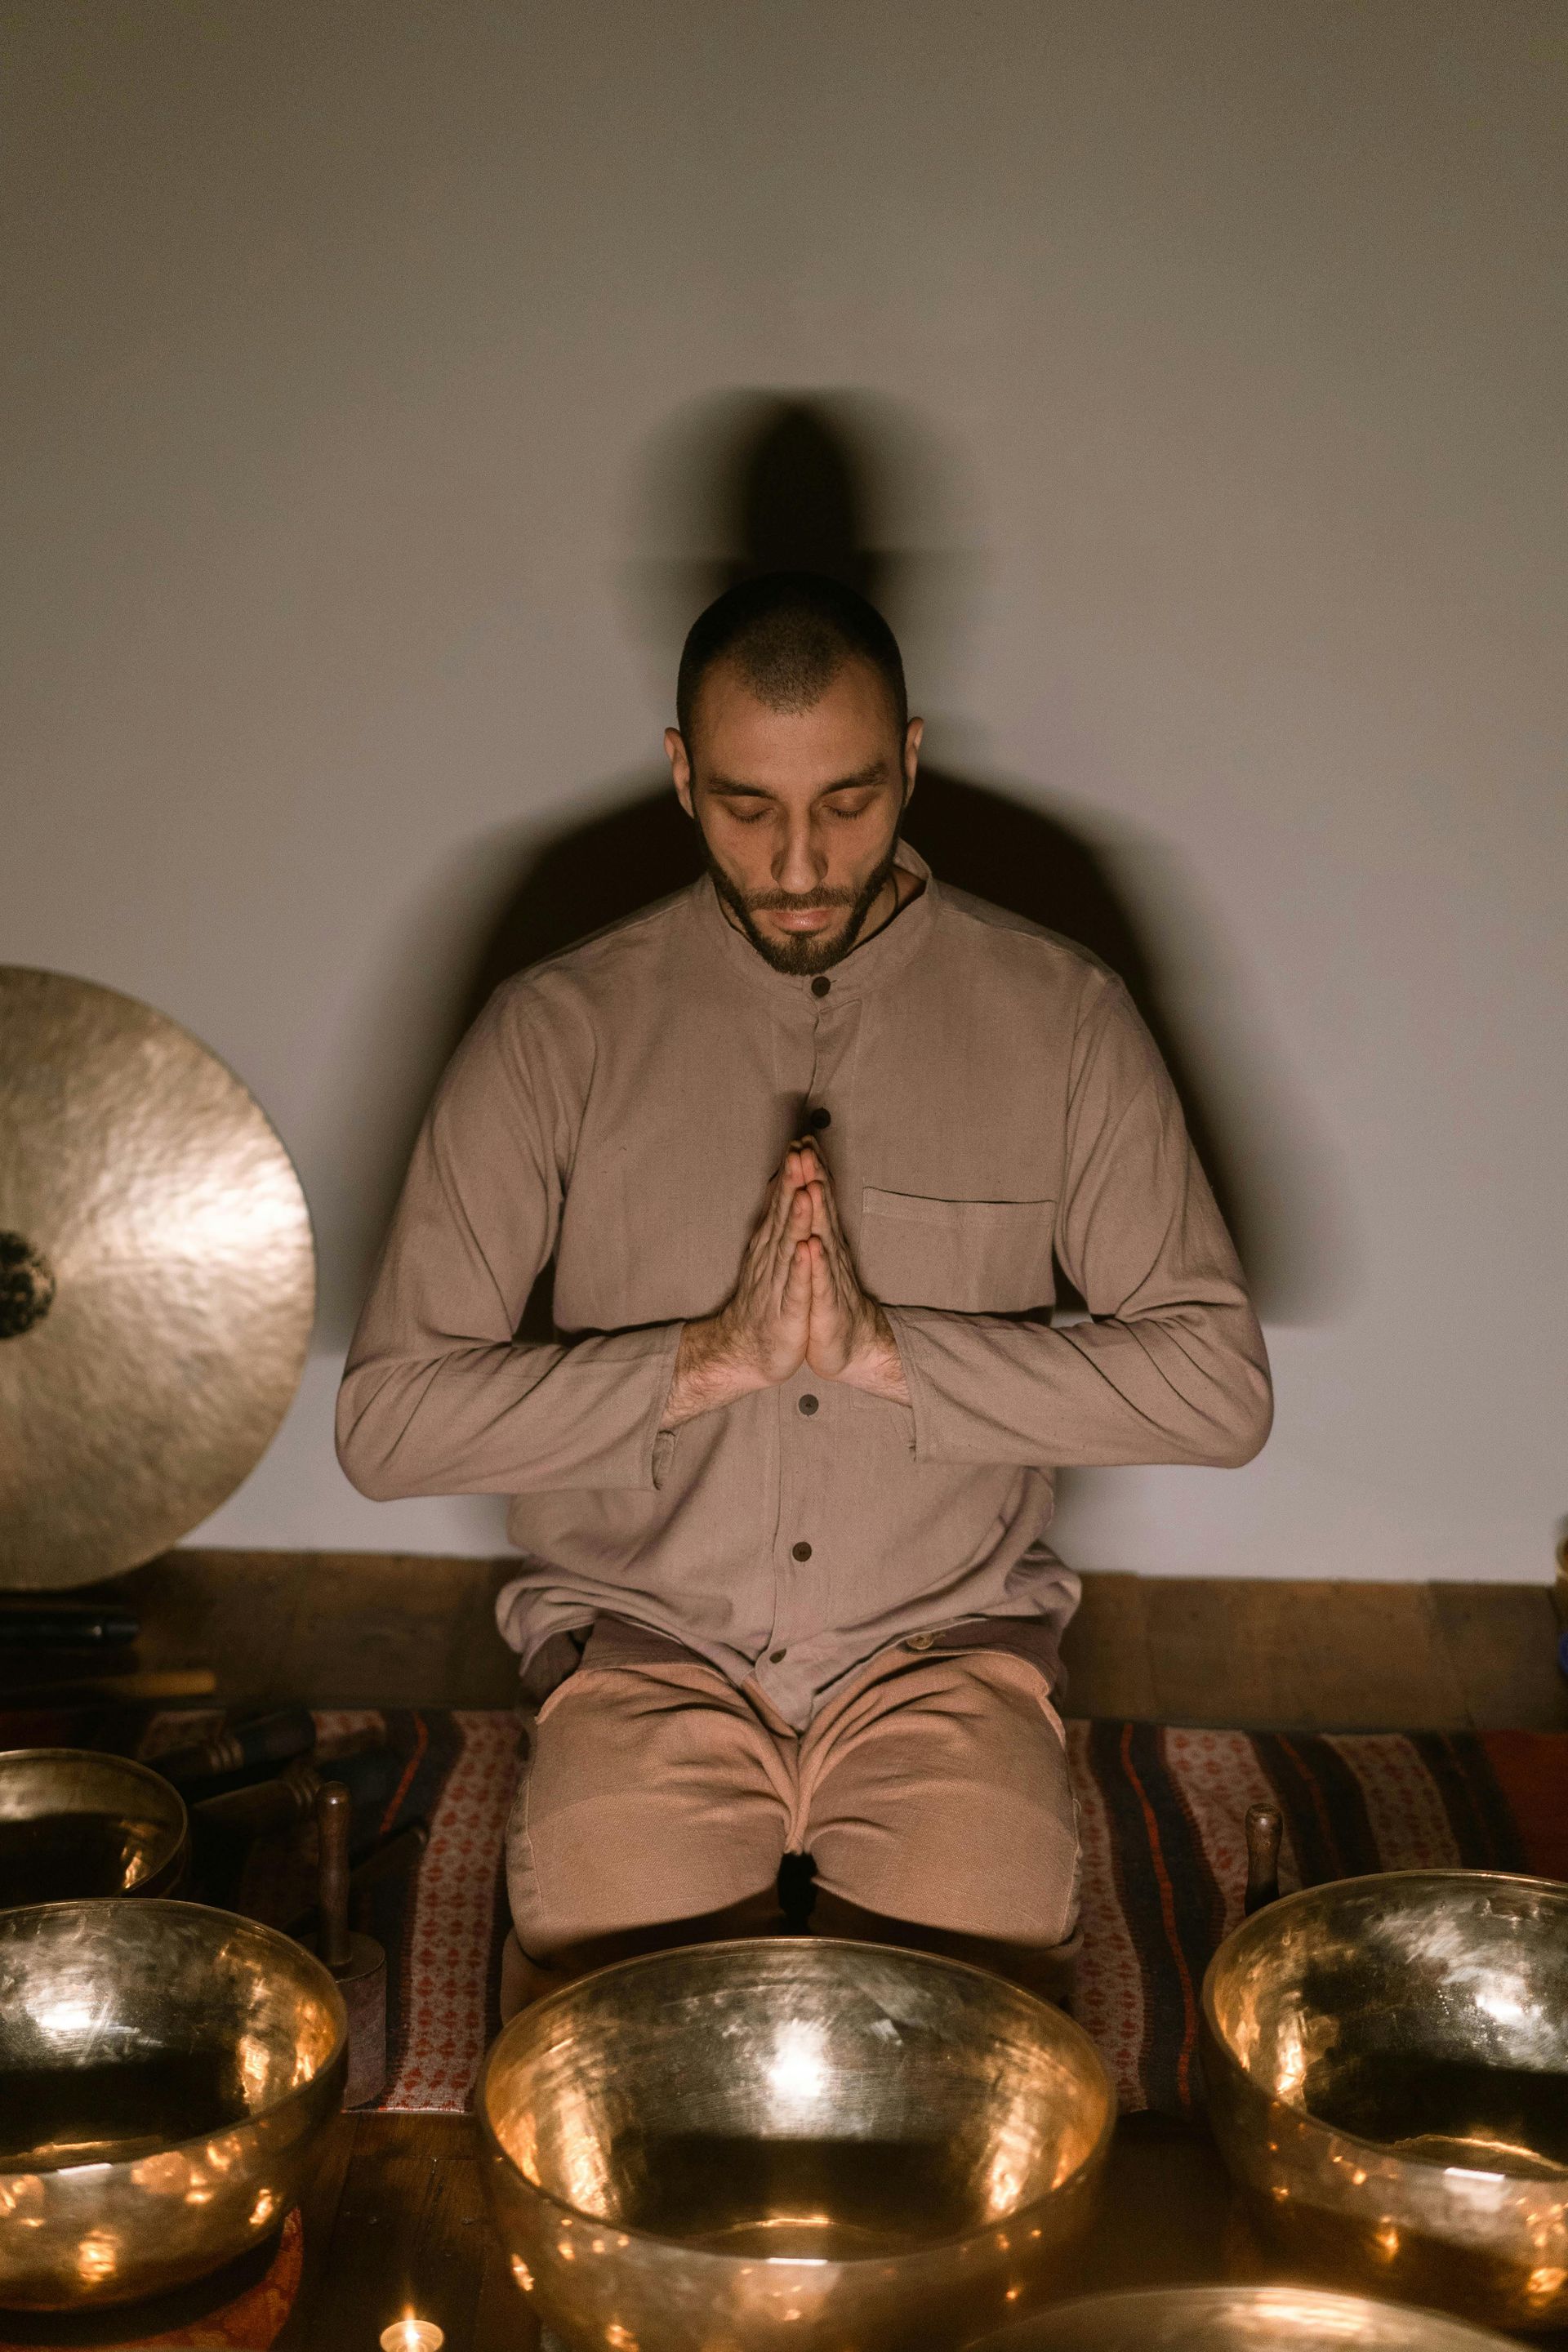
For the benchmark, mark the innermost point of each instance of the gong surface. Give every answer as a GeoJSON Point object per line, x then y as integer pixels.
{"type": "Point", "coordinates": [157, 1281]}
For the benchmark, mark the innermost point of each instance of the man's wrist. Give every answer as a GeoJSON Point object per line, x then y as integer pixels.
{"type": "Point", "coordinates": [707, 1373]}
{"type": "Point", "coordinates": [875, 1365]}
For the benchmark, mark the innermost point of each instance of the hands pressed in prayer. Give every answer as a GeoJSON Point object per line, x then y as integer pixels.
{"type": "Point", "coordinates": [849, 1338]}
{"type": "Point", "coordinates": [798, 1301]}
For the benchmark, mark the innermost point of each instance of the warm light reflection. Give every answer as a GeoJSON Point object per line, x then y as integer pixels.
{"type": "Point", "coordinates": [411, 2335]}
{"type": "Point", "coordinates": [1290, 2063]}
{"type": "Point", "coordinates": [1310, 2318]}
{"type": "Point", "coordinates": [22, 2200]}
{"type": "Point", "coordinates": [252, 2061]}
{"type": "Point", "coordinates": [162, 2173]}
{"type": "Point", "coordinates": [97, 2258]}
{"type": "Point", "coordinates": [798, 2070]}
{"type": "Point", "coordinates": [71, 2014]}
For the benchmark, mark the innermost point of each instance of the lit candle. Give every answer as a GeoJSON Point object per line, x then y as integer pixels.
{"type": "Point", "coordinates": [412, 2336]}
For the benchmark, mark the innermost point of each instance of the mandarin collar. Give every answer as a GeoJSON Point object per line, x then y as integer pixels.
{"type": "Point", "coordinates": [863, 969]}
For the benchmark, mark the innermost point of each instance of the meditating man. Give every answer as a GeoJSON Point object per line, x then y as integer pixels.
{"type": "Point", "coordinates": [804, 1142]}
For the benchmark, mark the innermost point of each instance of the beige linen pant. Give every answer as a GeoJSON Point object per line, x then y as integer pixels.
{"type": "Point", "coordinates": [932, 1794]}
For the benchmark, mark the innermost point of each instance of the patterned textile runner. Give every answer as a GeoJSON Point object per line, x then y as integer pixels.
{"type": "Point", "coordinates": [1163, 1867]}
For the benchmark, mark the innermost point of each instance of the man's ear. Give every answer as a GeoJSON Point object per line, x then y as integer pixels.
{"type": "Point", "coordinates": [679, 767]}
{"type": "Point", "coordinates": [914, 735]}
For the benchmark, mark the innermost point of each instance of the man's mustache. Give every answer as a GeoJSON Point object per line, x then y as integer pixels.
{"type": "Point", "coordinates": [782, 902]}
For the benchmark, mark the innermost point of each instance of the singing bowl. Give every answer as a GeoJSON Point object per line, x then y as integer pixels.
{"type": "Point", "coordinates": [1386, 2061]}
{"type": "Point", "coordinates": [1239, 2319]}
{"type": "Point", "coordinates": [793, 2143]}
{"type": "Point", "coordinates": [73, 1824]}
{"type": "Point", "coordinates": [165, 2073]}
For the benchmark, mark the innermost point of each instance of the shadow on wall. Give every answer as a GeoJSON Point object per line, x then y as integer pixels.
{"type": "Point", "coordinates": [797, 483]}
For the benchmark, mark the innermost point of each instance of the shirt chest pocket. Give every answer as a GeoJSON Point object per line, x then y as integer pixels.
{"type": "Point", "coordinates": [977, 1257]}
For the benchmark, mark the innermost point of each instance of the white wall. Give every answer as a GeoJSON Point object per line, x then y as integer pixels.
{"type": "Point", "coordinates": [359, 363]}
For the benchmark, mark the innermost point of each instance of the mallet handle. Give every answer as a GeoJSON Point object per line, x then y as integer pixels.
{"type": "Point", "coordinates": [1265, 1826]}
{"type": "Point", "coordinates": [333, 1812]}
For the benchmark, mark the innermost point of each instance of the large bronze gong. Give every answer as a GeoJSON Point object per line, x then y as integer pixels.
{"type": "Point", "coordinates": [157, 1281]}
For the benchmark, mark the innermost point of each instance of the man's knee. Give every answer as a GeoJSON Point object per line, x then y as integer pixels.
{"type": "Point", "coordinates": [987, 1869]}
{"type": "Point", "coordinates": [957, 1814]}
{"type": "Point", "coordinates": [636, 1810]}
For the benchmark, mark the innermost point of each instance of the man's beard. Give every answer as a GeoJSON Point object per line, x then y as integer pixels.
{"type": "Point", "coordinates": [809, 951]}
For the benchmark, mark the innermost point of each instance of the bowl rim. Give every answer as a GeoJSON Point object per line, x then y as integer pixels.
{"type": "Point", "coordinates": [138, 1912]}
{"type": "Point", "coordinates": [492, 2142]}
{"type": "Point", "coordinates": [1299, 1895]}
{"type": "Point", "coordinates": [1464, 2334]}
{"type": "Point", "coordinates": [138, 1770]}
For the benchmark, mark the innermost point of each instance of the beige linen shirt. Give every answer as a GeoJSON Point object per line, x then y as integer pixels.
{"type": "Point", "coordinates": [989, 1104]}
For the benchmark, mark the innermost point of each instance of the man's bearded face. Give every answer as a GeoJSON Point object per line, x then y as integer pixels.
{"type": "Point", "coordinates": [786, 943]}
{"type": "Point", "coordinates": [799, 813]}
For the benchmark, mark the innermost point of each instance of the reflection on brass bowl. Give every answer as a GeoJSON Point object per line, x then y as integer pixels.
{"type": "Point", "coordinates": [1239, 2319]}
{"type": "Point", "coordinates": [166, 2073]}
{"type": "Point", "coordinates": [791, 2143]}
{"type": "Point", "coordinates": [73, 1824]}
{"type": "Point", "coordinates": [1387, 2069]}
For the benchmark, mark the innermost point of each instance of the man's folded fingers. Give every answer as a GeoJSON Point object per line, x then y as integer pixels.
{"type": "Point", "coordinates": [794, 1227]}
{"type": "Point", "coordinates": [781, 1199]}
{"type": "Point", "coordinates": [825, 1220]}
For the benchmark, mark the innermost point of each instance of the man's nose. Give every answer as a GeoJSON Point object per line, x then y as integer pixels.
{"type": "Point", "coordinates": [799, 864]}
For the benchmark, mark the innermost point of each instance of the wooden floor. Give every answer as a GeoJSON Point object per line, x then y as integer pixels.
{"type": "Point", "coordinates": [395, 2221]}
{"type": "Point", "coordinates": [411, 2233]}
{"type": "Point", "coordinates": [400, 2225]}
{"type": "Point", "coordinates": [396, 2224]}
{"type": "Point", "coordinates": [378, 1630]}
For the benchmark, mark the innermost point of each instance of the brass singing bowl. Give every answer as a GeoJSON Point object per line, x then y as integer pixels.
{"type": "Point", "coordinates": [73, 1824]}
{"type": "Point", "coordinates": [795, 2143]}
{"type": "Point", "coordinates": [1239, 2319]}
{"type": "Point", "coordinates": [165, 2073]}
{"type": "Point", "coordinates": [1386, 2061]}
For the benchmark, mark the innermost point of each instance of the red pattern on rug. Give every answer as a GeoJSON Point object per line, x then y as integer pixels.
{"type": "Point", "coordinates": [445, 2026]}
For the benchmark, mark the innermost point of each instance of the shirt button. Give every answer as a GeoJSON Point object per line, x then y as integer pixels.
{"type": "Point", "coordinates": [800, 1551]}
{"type": "Point", "coordinates": [819, 987]}
{"type": "Point", "coordinates": [808, 1405]}
{"type": "Point", "coordinates": [820, 1119]}
{"type": "Point", "coordinates": [921, 1641]}
{"type": "Point", "coordinates": [777, 1657]}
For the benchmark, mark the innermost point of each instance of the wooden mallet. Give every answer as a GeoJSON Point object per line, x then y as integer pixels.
{"type": "Point", "coordinates": [357, 1962]}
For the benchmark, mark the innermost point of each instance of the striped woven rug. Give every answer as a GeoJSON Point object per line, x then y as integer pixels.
{"type": "Point", "coordinates": [1164, 1866]}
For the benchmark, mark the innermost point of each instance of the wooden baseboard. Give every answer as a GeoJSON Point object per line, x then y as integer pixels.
{"type": "Point", "coordinates": [381, 1629]}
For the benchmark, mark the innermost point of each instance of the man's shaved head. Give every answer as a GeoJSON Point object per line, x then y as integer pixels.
{"type": "Point", "coordinates": [788, 635]}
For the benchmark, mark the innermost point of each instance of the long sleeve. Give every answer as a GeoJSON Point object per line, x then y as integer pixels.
{"type": "Point", "coordinates": [1171, 1366]}
{"type": "Point", "coordinates": [438, 1396]}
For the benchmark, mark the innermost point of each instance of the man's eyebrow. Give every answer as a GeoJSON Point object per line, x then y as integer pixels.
{"type": "Point", "coordinates": [736, 790]}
